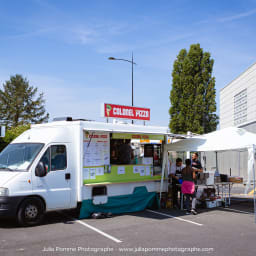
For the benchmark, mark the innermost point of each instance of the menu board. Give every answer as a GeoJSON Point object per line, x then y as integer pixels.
{"type": "Point", "coordinates": [96, 149]}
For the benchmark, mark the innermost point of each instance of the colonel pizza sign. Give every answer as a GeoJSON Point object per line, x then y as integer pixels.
{"type": "Point", "coordinates": [126, 112]}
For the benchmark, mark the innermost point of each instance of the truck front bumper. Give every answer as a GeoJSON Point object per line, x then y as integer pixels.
{"type": "Point", "coordinates": [9, 205]}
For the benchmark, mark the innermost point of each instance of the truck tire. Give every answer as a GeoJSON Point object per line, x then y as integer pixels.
{"type": "Point", "coordinates": [30, 212]}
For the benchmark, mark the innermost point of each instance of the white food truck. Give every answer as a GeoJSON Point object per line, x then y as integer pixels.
{"type": "Point", "coordinates": [59, 165]}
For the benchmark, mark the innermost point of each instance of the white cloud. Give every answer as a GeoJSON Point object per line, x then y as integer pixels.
{"type": "Point", "coordinates": [83, 35]}
{"type": "Point", "coordinates": [97, 33]}
{"type": "Point", "coordinates": [31, 33]}
{"type": "Point", "coordinates": [227, 18]}
{"type": "Point", "coordinates": [237, 16]}
{"type": "Point", "coordinates": [153, 43]}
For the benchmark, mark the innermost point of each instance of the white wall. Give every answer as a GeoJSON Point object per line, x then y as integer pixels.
{"type": "Point", "coordinates": [247, 80]}
{"type": "Point", "coordinates": [234, 160]}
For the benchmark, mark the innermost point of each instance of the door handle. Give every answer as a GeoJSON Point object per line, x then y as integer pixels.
{"type": "Point", "coordinates": [67, 176]}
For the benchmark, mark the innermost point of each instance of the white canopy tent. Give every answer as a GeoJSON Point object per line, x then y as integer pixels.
{"type": "Point", "coordinates": [231, 138]}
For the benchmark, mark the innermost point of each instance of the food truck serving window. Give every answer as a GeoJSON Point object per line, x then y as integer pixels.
{"type": "Point", "coordinates": [128, 149]}
{"type": "Point", "coordinates": [121, 151]}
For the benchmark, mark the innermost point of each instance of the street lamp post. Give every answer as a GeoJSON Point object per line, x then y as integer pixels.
{"type": "Point", "coordinates": [130, 61]}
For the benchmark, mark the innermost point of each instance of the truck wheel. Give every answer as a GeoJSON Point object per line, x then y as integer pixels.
{"type": "Point", "coordinates": [30, 212]}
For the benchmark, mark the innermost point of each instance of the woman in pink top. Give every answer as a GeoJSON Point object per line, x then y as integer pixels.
{"type": "Point", "coordinates": [188, 186]}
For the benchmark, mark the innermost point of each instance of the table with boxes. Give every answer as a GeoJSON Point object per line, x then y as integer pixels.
{"type": "Point", "coordinates": [211, 190]}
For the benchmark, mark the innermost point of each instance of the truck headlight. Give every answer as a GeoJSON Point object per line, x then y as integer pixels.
{"type": "Point", "coordinates": [4, 191]}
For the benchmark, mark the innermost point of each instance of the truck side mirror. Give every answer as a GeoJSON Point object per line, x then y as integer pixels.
{"type": "Point", "coordinates": [40, 170]}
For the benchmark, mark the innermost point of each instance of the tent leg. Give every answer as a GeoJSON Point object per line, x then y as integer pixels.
{"type": "Point", "coordinates": [239, 164]}
{"type": "Point", "coordinates": [163, 172]}
{"type": "Point", "coordinates": [217, 162]}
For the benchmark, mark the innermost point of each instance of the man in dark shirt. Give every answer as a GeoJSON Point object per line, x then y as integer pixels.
{"type": "Point", "coordinates": [125, 153]}
{"type": "Point", "coordinates": [196, 164]}
{"type": "Point", "coordinates": [175, 174]}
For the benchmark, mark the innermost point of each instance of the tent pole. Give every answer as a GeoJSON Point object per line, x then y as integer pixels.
{"type": "Point", "coordinates": [163, 171]}
{"type": "Point", "coordinates": [217, 162]}
{"type": "Point", "coordinates": [239, 163]}
{"type": "Point", "coordinates": [189, 135]}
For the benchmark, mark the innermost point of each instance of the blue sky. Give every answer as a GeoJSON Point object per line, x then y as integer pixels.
{"type": "Point", "coordinates": [62, 47]}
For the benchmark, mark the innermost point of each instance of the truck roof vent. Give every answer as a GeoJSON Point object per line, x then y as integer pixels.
{"type": "Point", "coordinates": [81, 119]}
{"type": "Point", "coordinates": [68, 118]}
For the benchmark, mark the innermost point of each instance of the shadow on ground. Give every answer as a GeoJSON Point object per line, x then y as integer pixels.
{"type": "Point", "coordinates": [55, 217]}
{"type": "Point", "coordinates": [67, 217]}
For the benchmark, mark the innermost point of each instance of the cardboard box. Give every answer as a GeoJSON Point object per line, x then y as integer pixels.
{"type": "Point", "coordinates": [219, 202]}
{"type": "Point", "coordinates": [235, 179]}
{"type": "Point", "coordinates": [211, 204]}
{"type": "Point", "coordinates": [169, 203]}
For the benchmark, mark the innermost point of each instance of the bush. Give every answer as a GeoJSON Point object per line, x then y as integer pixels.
{"type": "Point", "coordinates": [11, 134]}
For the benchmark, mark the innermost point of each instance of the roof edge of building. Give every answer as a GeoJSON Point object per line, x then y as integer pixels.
{"type": "Point", "coordinates": [247, 123]}
{"type": "Point", "coordinates": [238, 76]}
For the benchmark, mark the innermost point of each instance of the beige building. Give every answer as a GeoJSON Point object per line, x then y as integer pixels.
{"type": "Point", "coordinates": [238, 101]}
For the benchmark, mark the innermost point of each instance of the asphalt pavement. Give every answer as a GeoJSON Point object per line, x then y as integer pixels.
{"type": "Point", "coordinates": [217, 231]}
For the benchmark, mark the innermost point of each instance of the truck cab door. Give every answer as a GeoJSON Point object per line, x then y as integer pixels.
{"type": "Point", "coordinates": [55, 186]}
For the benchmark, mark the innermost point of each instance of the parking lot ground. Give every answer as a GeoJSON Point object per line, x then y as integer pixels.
{"type": "Point", "coordinates": [217, 231]}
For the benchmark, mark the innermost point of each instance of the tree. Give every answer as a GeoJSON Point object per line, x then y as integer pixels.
{"type": "Point", "coordinates": [19, 104]}
{"type": "Point", "coordinates": [193, 93]}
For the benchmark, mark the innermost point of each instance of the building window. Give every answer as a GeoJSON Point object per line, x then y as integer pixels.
{"type": "Point", "coordinates": [240, 107]}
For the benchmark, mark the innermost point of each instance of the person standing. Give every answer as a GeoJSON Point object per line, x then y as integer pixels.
{"type": "Point", "coordinates": [196, 164]}
{"type": "Point", "coordinates": [125, 153]}
{"type": "Point", "coordinates": [174, 172]}
{"type": "Point", "coordinates": [188, 187]}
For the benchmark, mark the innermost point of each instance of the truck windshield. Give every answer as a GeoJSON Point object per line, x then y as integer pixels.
{"type": "Point", "coordinates": [19, 156]}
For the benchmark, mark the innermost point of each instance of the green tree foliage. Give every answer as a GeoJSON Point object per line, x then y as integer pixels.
{"type": "Point", "coordinates": [193, 93]}
{"type": "Point", "coordinates": [11, 134]}
{"type": "Point", "coordinates": [19, 104]}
